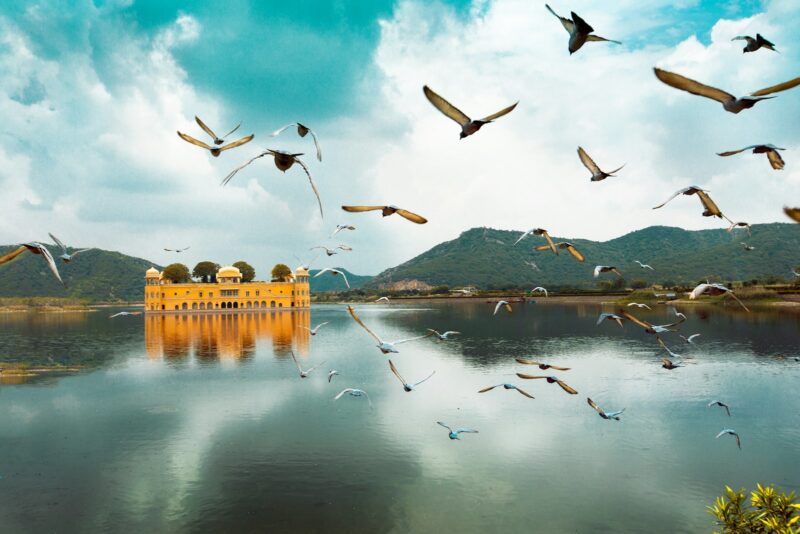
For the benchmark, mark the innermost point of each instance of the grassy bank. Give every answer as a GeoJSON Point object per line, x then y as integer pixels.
{"type": "Point", "coordinates": [42, 304]}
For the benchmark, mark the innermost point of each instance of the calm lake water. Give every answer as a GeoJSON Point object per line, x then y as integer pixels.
{"type": "Point", "coordinates": [201, 423]}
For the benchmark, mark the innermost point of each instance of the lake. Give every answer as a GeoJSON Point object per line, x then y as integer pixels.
{"type": "Point", "coordinates": [200, 423]}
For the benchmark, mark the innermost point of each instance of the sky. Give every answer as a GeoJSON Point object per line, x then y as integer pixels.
{"type": "Point", "coordinates": [92, 93]}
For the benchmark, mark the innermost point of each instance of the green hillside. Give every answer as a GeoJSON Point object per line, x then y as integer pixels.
{"type": "Point", "coordinates": [485, 258]}
{"type": "Point", "coordinates": [96, 276]}
{"type": "Point", "coordinates": [329, 283]}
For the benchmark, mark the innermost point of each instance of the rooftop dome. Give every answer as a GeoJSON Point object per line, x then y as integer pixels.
{"type": "Point", "coordinates": [229, 272]}
{"type": "Point", "coordinates": [301, 271]}
{"type": "Point", "coordinates": [152, 272]}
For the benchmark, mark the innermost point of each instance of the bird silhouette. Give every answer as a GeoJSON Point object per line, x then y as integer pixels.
{"type": "Point", "coordinates": [579, 31]}
{"type": "Point", "coordinates": [468, 126]}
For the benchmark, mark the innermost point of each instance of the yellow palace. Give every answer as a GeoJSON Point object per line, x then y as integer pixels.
{"type": "Point", "coordinates": [228, 293]}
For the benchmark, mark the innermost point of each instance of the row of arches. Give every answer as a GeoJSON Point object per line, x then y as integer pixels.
{"type": "Point", "coordinates": [229, 305]}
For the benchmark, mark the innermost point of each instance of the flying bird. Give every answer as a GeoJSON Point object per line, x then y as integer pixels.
{"type": "Point", "coordinates": [382, 299]}
{"type": "Point", "coordinates": [606, 269]}
{"type": "Point", "coordinates": [747, 247]}
{"type": "Point", "coordinates": [649, 327]}
{"type": "Point", "coordinates": [385, 346]}
{"type": "Point", "coordinates": [542, 366]}
{"type": "Point", "coordinates": [643, 265]}
{"type": "Point", "coordinates": [579, 31]}
{"type": "Point", "coordinates": [597, 174]}
{"type": "Point", "coordinates": [711, 209]}
{"type": "Point", "coordinates": [445, 336]}
{"type": "Point", "coordinates": [314, 330]}
{"type": "Point", "coordinates": [775, 159]}
{"type": "Point", "coordinates": [454, 433]}
{"type": "Point", "coordinates": [714, 290]}
{"type": "Point", "coordinates": [334, 272]}
{"type": "Point", "coordinates": [37, 248]}
{"type": "Point", "coordinates": [728, 101]}
{"type": "Point", "coordinates": [540, 289]}
{"type": "Point", "coordinates": [353, 393]}
{"type": "Point", "coordinates": [331, 252]}
{"type": "Point", "coordinates": [468, 126]}
{"type": "Point", "coordinates": [124, 313]}
{"type": "Point", "coordinates": [217, 140]}
{"type": "Point", "coordinates": [667, 364]}
{"type": "Point", "coordinates": [406, 386]}
{"type": "Point", "coordinates": [503, 303]}
{"type": "Point", "coordinates": [340, 227]}
{"type": "Point", "coordinates": [639, 305]}
{"type": "Point", "coordinates": [564, 244]}
{"type": "Point", "coordinates": [602, 413]}
{"type": "Point", "coordinates": [610, 317]}
{"type": "Point", "coordinates": [721, 404]}
{"type": "Point", "coordinates": [740, 225]}
{"type": "Point", "coordinates": [689, 339]}
{"type": "Point", "coordinates": [283, 161]}
{"type": "Point", "coordinates": [304, 374]}
{"type": "Point", "coordinates": [388, 210]}
{"type": "Point", "coordinates": [178, 250]}
{"type": "Point", "coordinates": [215, 150]}
{"type": "Point", "coordinates": [65, 256]}
{"type": "Point", "coordinates": [507, 386]}
{"type": "Point", "coordinates": [754, 44]}
{"type": "Point", "coordinates": [792, 213]}
{"type": "Point", "coordinates": [331, 374]}
{"type": "Point", "coordinates": [542, 232]}
{"type": "Point", "coordinates": [732, 433]}
{"type": "Point", "coordinates": [551, 380]}
{"type": "Point", "coordinates": [302, 131]}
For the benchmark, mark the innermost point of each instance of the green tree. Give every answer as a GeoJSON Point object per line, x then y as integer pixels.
{"type": "Point", "coordinates": [769, 510]}
{"type": "Point", "coordinates": [248, 273]}
{"type": "Point", "coordinates": [281, 272]}
{"type": "Point", "coordinates": [177, 273]}
{"type": "Point", "coordinates": [206, 271]}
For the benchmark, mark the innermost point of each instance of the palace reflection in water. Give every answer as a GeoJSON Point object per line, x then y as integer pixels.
{"type": "Point", "coordinates": [224, 335]}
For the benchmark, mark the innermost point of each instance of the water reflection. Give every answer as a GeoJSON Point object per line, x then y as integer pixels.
{"type": "Point", "coordinates": [225, 336]}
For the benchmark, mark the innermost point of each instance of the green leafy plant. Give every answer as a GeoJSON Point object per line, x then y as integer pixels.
{"type": "Point", "coordinates": [769, 511]}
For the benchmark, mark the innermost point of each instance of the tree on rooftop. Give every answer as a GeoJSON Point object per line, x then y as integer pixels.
{"type": "Point", "coordinates": [206, 271]}
{"type": "Point", "coordinates": [281, 272]}
{"type": "Point", "coordinates": [177, 273]}
{"type": "Point", "coordinates": [248, 273]}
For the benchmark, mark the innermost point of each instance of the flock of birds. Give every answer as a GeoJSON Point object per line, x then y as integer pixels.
{"type": "Point", "coordinates": [580, 33]}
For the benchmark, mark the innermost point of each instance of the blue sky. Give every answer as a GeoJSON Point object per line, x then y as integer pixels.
{"type": "Point", "coordinates": [92, 94]}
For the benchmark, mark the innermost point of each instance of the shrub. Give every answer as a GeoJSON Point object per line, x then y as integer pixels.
{"type": "Point", "coordinates": [769, 510]}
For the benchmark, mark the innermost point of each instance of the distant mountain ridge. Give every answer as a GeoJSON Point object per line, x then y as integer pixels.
{"type": "Point", "coordinates": [329, 283]}
{"type": "Point", "coordinates": [486, 258]}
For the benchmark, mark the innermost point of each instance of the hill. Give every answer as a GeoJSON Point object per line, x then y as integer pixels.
{"type": "Point", "coordinates": [95, 275]}
{"type": "Point", "coordinates": [329, 283]}
{"type": "Point", "coordinates": [485, 258]}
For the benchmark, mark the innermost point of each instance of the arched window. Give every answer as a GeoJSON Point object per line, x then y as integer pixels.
{"type": "Point", "coordinates": [250, 304]}
{"type": "Point", "coordinates": [236, 305]}
{"type": "Point", "coordinates": [184, 306]}
{"type": "Point", "coordinates": [209, 305]}
{"type": "Point", "coordinates": [280, 304]}
{"type": "Point", "coordinates": [176, 306]}
{"type": "Point", "coordinates": [202, 305]}
{"type": "Point", "coordinates": [263, 303]}
{"type": "Point", "coordinates": [272, 304]}
{"type": "Point", "coordinates": [194, 305]}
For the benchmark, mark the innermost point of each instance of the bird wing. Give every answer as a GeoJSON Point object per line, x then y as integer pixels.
{"type": "Point", "coordinates": [116, 315]}
{"type": "Point", "coordinates": [526, 361]}
{"type": "Point", "coordinates": [466, 431]}
{"type": "Point", "coordinates": [522, 237]}
{"type": "Point", "coordinates": [295, 361]}
{"type": "Point", "coordinates": [504, 111]}
{"type": "Point", "coordinates": [192, 140]}
{"type": "Point", "coordinates": [424, 379]}
{"type": "Point", "coordinates": [316, 144]}
{"type": "Point", "coordinates": [732, 152]}
{"type": "Point", "coordinates": [529, 377]}
{"type": "Point", "coordinates": [522, 392]}
{"type": "Point", "coordinates": [679, 192]}
{"type": "Point", "coordinates": [319, 246]}
{"type": "Point", "coordinates": [541, 247]}
{"type": "Point", "coordinates": [629, 316]}
{"type": "Point", "coordinates": [729, 293]}
{"type": "Point", "coordinates": [315, 366]}
{"type": "Point", "coordinates": [588, 162]}
{"type": "Point", "coordinates": [596, 38]}
{"type": "Point", "coordinates": [313, 185]}
{"type": "Point", "coordinates": [597, 408]}
{"type": "Point", "coordinates": [205, 128]}
{"type": "Point", "coordinates": [453, 332]}
{"type": "Point", "coordinates": [344, 277]}
{"type": "Point", "coordinates": [604, 316]}
{"type": "Point", "coordinates": [355, 317]}
{"type": "Point", "coordinates": [775, 160]}
{"type": "Point", "coordinates": [557, 368]}
{"type": "Point", "coordinates": [320, 325]}
{"type": "Point", "coordinates": [413, 217]}
{"type": "Point", "coordinates": [708, 203]}
{"type": "Point", "coordinates": [792, 213]}
{"type": "Point", "coordinates": [359, 209]}
{"type": "Point", "coordinates": [550, 242]}
{"type": "Point", "coordinates": [238, 142]}
{"type": "Point", "coordinates": [497, 307]}
{"type": "Point", "coordinates": [742, 38]}
{"type": "Point", "coordinates": [738, 441]}
{"type": "Point", "coordinates": [444, 425]}
{"type": "Point", "coordinates": [597, 270]}
{"type": "Point", "coordinates": [58, 242]}
{"type": "Point", "coordinates": [11, 255]}
{"type": "Point", "coordinates": [566, 387]}
{"type": "Point", "coordinates": [227, 134]}
{"type": "Point", "coordinates": [446, 107]}
{"type": "Point", "coordinates": [240, 167]}
{"type": "Point", "coordinates": [484, 390]}
{"type": "Point", "coordinates": [411, 339]}
{"type": "Point", "coordinates": [339, 396]}
{"type": "Point", "coordinates": [52, 263]}
{"type": "Point", "coordinates": [81, 250]}
{"type": "Point", "coordinates": [615, 414]}
{"type": "Point", "coordinates": [575, 253]}
{"type": "Point", "coordinates": [691, 86]}
{"type": "Point", "coordinates": [568, 24]}
{"type": "Point", "coordinates": [282, 129]}
{"type": "Point", "coordinates": [727, 409]}
{"type": "Point", "coordinates": [397, 373]}
{"type": "Point", "coordinates": [690, 338]}
{"type": "Point", "coordinates": [777, 88]}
